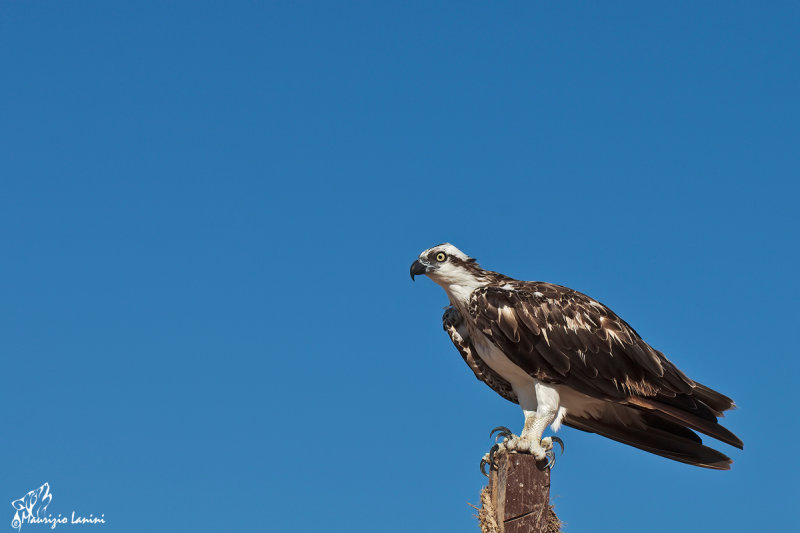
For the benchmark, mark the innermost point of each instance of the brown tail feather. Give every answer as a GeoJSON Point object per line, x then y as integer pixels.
{"type": "Point", "coordinates": [690, 420]}
{"type": "Point", "coordinates": [660, 437]}
{"type": "Point", "coordinates": [716, 401]}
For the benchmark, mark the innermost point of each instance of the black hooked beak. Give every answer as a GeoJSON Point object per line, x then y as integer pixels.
{"type": "Point", "coordinates": [417, 268]}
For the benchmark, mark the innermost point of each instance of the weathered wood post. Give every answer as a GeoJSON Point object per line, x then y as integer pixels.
{"type": "Point", "coordinates": [517, 499]}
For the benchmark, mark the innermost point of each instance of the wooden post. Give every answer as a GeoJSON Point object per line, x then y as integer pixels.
{"type": "Point", "coordinates": [517, 499]}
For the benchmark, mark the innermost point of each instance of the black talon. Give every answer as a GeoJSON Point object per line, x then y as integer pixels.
{"type": "Point", "coordinates": [484, 462]}
{"type": "Point", "coordinates": [501, 431]}
{"type": "Point", "coordinates": [492, 451]}
{"type": "Point", "coordinates": [552, 456]}
{"type": "Point", "coordinates": [560, 443]}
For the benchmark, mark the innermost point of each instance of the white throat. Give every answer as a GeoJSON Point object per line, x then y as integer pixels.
{"type": "Point", "coordinates": [458, 290]}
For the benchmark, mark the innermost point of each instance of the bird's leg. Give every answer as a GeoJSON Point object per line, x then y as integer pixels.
{"type": "Point", "coordinates": [536, 420]}
{"type": "Point", "coordinates": [531, 440]}
{"type": "Point", "coordinates": [541, 407]}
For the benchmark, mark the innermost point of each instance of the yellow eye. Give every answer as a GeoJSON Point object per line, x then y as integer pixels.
{"type": "Point", "coordinates": [441, 256]}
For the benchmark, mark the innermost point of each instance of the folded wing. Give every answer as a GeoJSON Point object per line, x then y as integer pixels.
{"type": "Point", "coordinates": [559, 335]}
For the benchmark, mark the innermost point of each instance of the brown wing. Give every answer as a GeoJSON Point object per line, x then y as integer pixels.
{"type": "Point", "coordinates": [453, 324]}
{"type": "Point", "coordinates": [559, 335]}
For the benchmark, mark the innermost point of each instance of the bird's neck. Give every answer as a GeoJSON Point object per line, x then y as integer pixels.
{"type": "Point", "coordinates": [460, 288]}
{"type": "Point", "coordinates": [459, 292]}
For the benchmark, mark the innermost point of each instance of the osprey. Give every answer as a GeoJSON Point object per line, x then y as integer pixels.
{"type": "Point", "coordinates": [568, 359]}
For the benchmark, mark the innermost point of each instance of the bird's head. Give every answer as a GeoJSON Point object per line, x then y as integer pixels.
{"type": "Point", "coordinates": [447, 265]}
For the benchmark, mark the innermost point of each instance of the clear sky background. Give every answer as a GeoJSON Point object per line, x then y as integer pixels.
{"type": "Point", "coordinates": [208, 211]}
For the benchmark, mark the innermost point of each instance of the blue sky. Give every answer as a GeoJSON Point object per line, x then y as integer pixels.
{"type": "Point", "coordinates": [208, 211]}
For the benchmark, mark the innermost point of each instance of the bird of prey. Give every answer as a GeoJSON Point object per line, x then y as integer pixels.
{"type": "Point", "coordinates": [568, 359]}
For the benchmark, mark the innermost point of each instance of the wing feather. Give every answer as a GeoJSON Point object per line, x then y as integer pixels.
{"type": "Point", "coordinates": [573, 337]}
{"type": "Point", "coordinates": [559, 335]}
{"type": "Point", "coordinates": [654, 435]}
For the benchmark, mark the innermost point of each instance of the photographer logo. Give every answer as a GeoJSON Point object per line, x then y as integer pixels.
{"type": "Point", "coordinates": [32, 509]}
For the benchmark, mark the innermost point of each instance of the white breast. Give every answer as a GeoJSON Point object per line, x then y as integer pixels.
{"type": "Point", "coordinates": [501, 364]}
